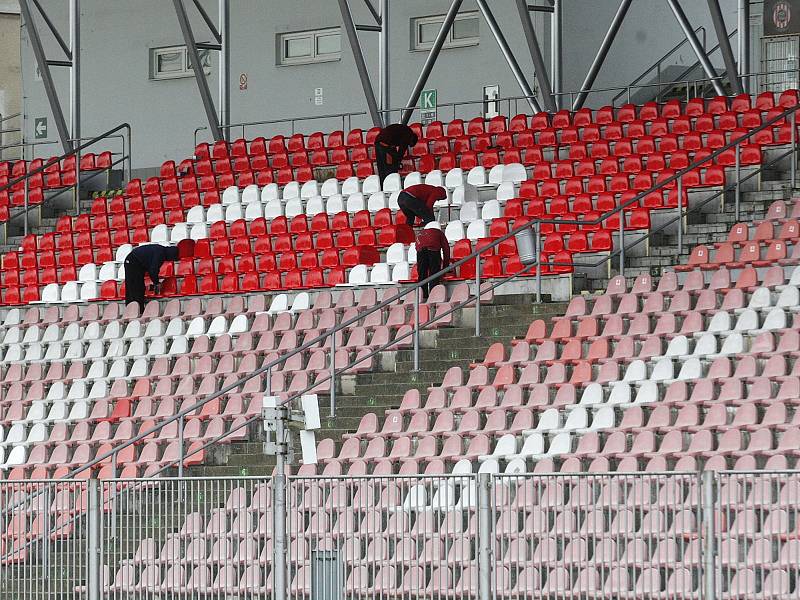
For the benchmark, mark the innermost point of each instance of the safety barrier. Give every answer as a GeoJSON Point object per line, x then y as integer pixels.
{"type": "Point", "coordinates": [673, 536]}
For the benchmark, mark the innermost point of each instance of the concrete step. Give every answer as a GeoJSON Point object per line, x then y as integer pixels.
{"type": "Point", "coordinates": [507, 317]}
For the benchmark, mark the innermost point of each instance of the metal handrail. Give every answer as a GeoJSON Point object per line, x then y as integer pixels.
{"type": "Point", "coordinates": [348, 116]}
{"type": "Point", "coordinates": [266, 368]}
{"type": "Point", "coordinates": [697, 63]}
{"type": "Point", "coordinates": [657, 64]}
{"type": "Point", "coordinates": [74, 151]}
{"type": "Point", "coordinates": [5, 118]}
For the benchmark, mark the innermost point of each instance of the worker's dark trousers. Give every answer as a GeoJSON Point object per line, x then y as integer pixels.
{"type": "Point", "coordinates": [388, 159]}
{"type": "Point", "coordinates": [429, 262]}
{"type": "Point", "coordinates": [413, 207]}
{"type": "Point", "coordinates": [134, 283]}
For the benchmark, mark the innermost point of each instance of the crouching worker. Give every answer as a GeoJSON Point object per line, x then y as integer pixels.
{"type": "Point", "coordinates": [148, 259]}
{"type": "Point", "coordinates": [417, 202]}
{"type": "Point", "coordinates": [433, 255]}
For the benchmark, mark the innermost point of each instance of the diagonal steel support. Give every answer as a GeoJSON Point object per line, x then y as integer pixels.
{"type": "Point", "coordinates": [509, 56]}
{"type": "Point", "coordinates": [725, 46]}
{"type": "Point", "coordinates": [536, 56]}
{"type": "Point", "coordinates": [199, 74]}
{"type": "Point", "coordinates": [217, 35]}
{"type": "Point", "coordinates": [694, 42]}
{"type": "Point", "coordinates": [53, 30]}
{"type": "Point", "coordinates": [375, 14]}
{"type": "Point", "coordinates": [441, 37]}
{"type": "Point", "coordinates": [602, 52]}
{"type": "Point", "coordinates": [361, 65]}
{"type": "Point", "coordinates": [47, 77]}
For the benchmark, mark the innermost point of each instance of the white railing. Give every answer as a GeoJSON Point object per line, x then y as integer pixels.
{"type": "Point", "coordinates": [590, 535]}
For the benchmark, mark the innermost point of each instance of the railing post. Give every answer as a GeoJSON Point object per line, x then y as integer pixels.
{"type": "Point", "coordinates": [537, 250]}
{"type": "Point", "coordinates": [680, 216]}
{"type": "Point", "coordinates": [738, 191]}
{"type": "Point", "coordinates": [333, 374]}
{"type": "Point", "coordinates": [279, 515]}
{"type": "Point", "coordinates": [709, 545]}
{"type": "Point", "coordinates": [78, 180]}
{"type": "Point", "coordinates": [794, 148]}
{"type": "Point", "coordinates": [93, 583]}
{"type": "Point", "coordinates": [46, 528]}
{"type": "Point", "coordinates": [416, 328]}
{"type": "Point", "coordinates": [25, 207]}
{"type": "Point", "coordinates": [478, 295]}
{"type": "Point", "coordinates": [180, 442]}
{"type": "Point", "coordinates": [622, 241]}
{"type": "Point", "coordinates": [182, 484]}
{"type": "Point", "coordinates": [114, 500]}
{"type": "Point", "coordinates": [269, 381]}
{"type": "Point", "coordinates": [485, 541]}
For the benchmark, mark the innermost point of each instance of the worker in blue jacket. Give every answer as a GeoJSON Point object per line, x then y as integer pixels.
{"type": "Point", "coordinates": [148, 259]}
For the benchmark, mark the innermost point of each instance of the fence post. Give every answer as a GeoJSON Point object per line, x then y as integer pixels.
{"type": "Point", "coordinates": [485, 541]}
{"type": "Point", "coordinates": [709, 545]}
{"type": "Point", "coordinates": [93, 583]}
{"type": "Point", "coordinates": [279, 516]}
{"type": "Point", "coordinates": [537, 250]}
{"type": "Point", "coordinates": [794, 148]}
{"type": "Point", "coordinates": [182, 451]}
{"type": "Point", "coordinates": [680, 215]}
{"type": "Point", "coordinates": [269, 381]}
{"type": "Point", "coordinates": [478, 295]}
{"type": "Point", "coordinates": [622, 241]}
{"type": "Point", "coordinates": [333, 374]}
{"type": "Point", "coordinates": [45, 535]}
{"type": "Point", "coordinates": [416, 328]}
{"type": "Point", "coordinates": [25, 208]}
{"type": "Point", "coordinates": [113, 533]}
{"type": "Point", "coordinates": [738, 193]}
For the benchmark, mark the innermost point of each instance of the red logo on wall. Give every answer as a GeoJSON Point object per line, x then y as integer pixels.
{"type": "Point", "coordinates": [782, 15]}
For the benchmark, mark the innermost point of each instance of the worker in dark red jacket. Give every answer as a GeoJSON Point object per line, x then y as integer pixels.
{"type": "Point", "coordinates": [433, 254]}
{"type": "Point", "coordinates": [391, 146]}
{"type": "Point", "coordinates": [148, 259]}
{"type": "Point", "coordinates": [417, 202]}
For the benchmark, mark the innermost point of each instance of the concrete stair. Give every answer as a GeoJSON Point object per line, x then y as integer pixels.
{"type": "Point", "coordinates": [375, 392]}
{"type": "Point", "coordinates": [701, 228]}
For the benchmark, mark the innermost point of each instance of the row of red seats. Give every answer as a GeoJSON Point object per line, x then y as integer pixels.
{"type": "Point", "coordinates": [288, 242]}
{"type": "Point", "coordinates": [54, 177]}
{"type": "Point", "coordinates": [552, 137]}
{"type": "Point", "coordinates": [636, 163]}
{"type": "Point", "coordinates": [629, 113]}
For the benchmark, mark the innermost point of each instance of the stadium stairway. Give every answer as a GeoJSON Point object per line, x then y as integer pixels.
{"type": "Point", "coordinates": [502, 319]}
{"type": "Point", "coordinates": [701, 228]}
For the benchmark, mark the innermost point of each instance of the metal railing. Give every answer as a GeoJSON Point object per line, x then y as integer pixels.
{"type": "Point", "coordinates": [510, 104]}
{"type": "Point", "coordinates": [677, 536]}
{"type": "Point", "coordinates": [4, 130]}
{"type": "Point", "coordinates": [480, 290]}
{"type": "Point", "coordinates": [680, 79]}
{"type": "Point", "coordinates": [697, 64]}
{"type": "Point", "coordinates": [125, 159]}
{"type": "Point", "coordinates": [656, 66]}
